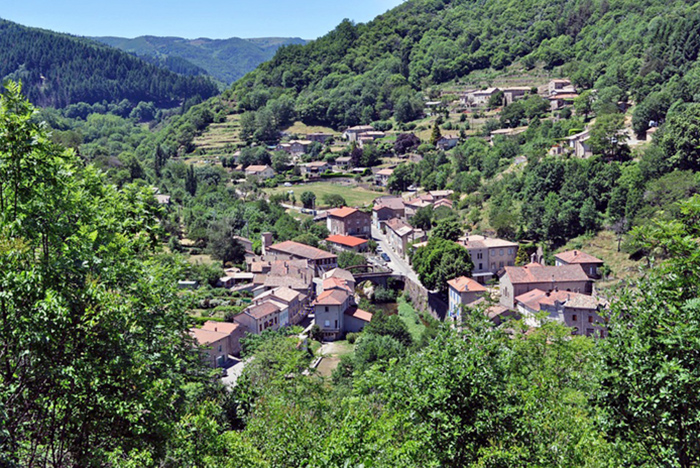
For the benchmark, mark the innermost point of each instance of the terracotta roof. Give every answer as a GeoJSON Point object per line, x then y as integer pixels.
{"type": "Point", "coordinates": [536, 298]}
{"type": "Point", "coordinates": [443, 202]}
{"type": "Point", "coordinates": [360, 128]}
{"type": "Point", "coordinates": [399, 227]}
{"type": "Point", "coordinates": [546, 274]}
{"type": "Point", "coordinates": [292, 282]}
{"type": "Point", "coordinates": [317, 164]}
{"type": "Point", "coordinates": [332, 297]}
{"type": "Point", "coordinates": [359, 314]}
{"type": "Point", "coordinates": [563, 96]}
{"type": "Point", "coordinates": [205, 337]}
{"type": "Point", "coordinates": [349, 241]}
{"type": "Point", "coordinates": [343, 212]}
{"type": "Point", "coordinates": [283, 293]}
{"type": "Point", "coordinates": [301, 250]}
{"type": "Point", "coordinates": [496, 310]}
{"type": "Point", "coordinates": [220, 327]}
{"type": "Point", "coordinates": [257, 168]}
{"type": "Point", "coordinates": [335, 283]}
{"type": "Point", "coordinates": [339, 273]}
{"type": "Point", "coordinates": [394, 203]}
{"type": "Point", "coordinates": [573, 257]}
{"type": "Point", "coordinates": [262, 310]}
{"type": "Point", "coordinates": [385, 172]}
{"type": "Point", "coordinates": [464, 284]}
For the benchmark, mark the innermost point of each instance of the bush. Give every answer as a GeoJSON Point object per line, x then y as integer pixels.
{"type": "Point", "coordinates": [351, 337]}
{"type": "Point", "coordinates": [382, 295]}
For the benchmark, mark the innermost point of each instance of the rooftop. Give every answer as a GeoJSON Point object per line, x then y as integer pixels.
{"type": "Point", "coordinates": [302, 250]}
{"type": "Point", "coordinates": [385, 172]}
{"type": "Point", "coordinates": [394, 203]}
{"type": "Point", "coordinates": [220, 327]}
{"type": "Point", "coordinates": [545, 274]}
{"type": "Point", "coordinates": [262, 310]}
{"type": "Point", "coordinates": [573, 257]}
{"type": "Point", "coordinates": [359, 314]}
{"type": "Point", "coordinates": [349, 241]}
{"type": "Point", "coordinates": [537, 298]}
{"type": "Point", "coordinates": [481, 242]}
{"type": "Point", "coordinates": [343, 212]}
{"type": "Point", "coordinates": [257, 168]}
{"type": "Point", "coordinates": [464, 284]}
{"type": "Point", "coordinates": [205, 337]}
{"type": "Point", "coordinates": [399, 227]}
{"type": "Point", "coordinates": [332, 297]}
{"type": "Point", "coordinates": [339, 273]}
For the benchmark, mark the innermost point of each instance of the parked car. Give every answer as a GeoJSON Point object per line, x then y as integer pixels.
{"type": "Point", "coordinates": [385, 257]}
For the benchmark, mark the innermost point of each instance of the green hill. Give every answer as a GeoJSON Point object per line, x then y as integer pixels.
{"type": "Point", "coordinates": [58, 70]}
{"type": "Point", "coordinates": [360, 73]}
{"type": "Point", "coordinates": [224, 59]}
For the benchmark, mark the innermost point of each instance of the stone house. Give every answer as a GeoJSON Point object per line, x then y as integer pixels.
{"type": "Point", "coordinates": [578, 311]}
{"type": "Point", "coordinates": [399, 235]}
{"type": "Point", "coordinates": [520, 280]}
{"type": "Point", "coordinates": [347, 221]}
{"type": "Point", "coordinates": [347, 243]}
{"type": "Point", "coordinates": [260, 317]}
{"type": "Point", "coordinates": [489, 255]}
{"type": "Point", "coordinates": [462, 291]}
{"type": "Point", "coordinates": [353, 133]}
{"type": "Point", "coordinates": [233, 330]}
{"type": "Point", "coordinates": [381, 177]}
{"type": "Point", "coordinates": [261, 172]}
{"type": "Point", "coordinates": [510, 95]}
{"type": "Point", "coordinates": [590, 264]}
{"type": "Point", "coordinates": [386, 208]}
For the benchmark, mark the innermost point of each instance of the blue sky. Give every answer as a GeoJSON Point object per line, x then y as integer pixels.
{"type": "Point", "coordinates": [216, 19]}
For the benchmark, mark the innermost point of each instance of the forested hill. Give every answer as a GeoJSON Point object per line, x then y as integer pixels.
{"type": "Point", "coordinates": [224, 59]}
{"type": "Point", "coordinates": [58, 70]}
{"type": "Point", "coordinates": [365, 72]}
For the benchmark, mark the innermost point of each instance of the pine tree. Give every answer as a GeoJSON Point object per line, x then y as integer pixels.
{"type": "Point", "coordinates": [436, 135]}
{"type": "Point", "coordinates": [191, 181]}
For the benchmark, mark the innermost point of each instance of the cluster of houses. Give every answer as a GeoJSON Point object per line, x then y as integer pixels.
{"type": "Point", "coordinates": [564, 292]}
{"type": "Point", "coordinates": [289, 282]}
{"type": "Point", "coordinates": [560, 93]}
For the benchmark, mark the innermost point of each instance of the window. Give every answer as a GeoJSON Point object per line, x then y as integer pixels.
{"type": "Point", "coordinates": [219, 348]}
{"type": "Point", "coordinates": [590, 319]}
{"type": "Point", "coordinates": [500, 264]}
{"type": "Point", "coordinates": [326, 308]}
{"type": "Point", "coordinates": [481, 266]}
{"type": "Point", "coordinates": [336, 324]}
{"type": "Point", "coordinates": [589, 332]}
{"type": "Point", "coordinates": [479, 256]}
{"type": "Point", "coordinates": [574, 317]}
{"type": "Point", "coordinates": [500, 252]}
{"type": "Point", "coordinates": [510, 251]}
{"type": "Point", "coordinates": [327, 323]}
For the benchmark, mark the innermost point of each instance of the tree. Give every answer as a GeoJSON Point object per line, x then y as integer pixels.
{"type": "Point", "coordinates": [607, 137]}
{"type": "Point", "coordinates": [334, 200]}
{"type": "Point", "coordinates": [448, 229]}
{"type": "Point", "coordinates": [406, 142]}
{"type": "Point", "coordinates": [222, 244]}
{"type": "Point", "coordinates": [308, 199]}
{"type": "Point", "coordinates": [191, 181]}
{"type": "Point", "coordinates": [584, 104]}
{"type": "Point", "coordinates": [87, 298]}
{"type": "Point", "coordinates": [680, 139]}
{"type": "Point", "coordinates": [347, 259]}
{"type": "Point", "coordinates": [440, 261]}
{"type": "Point", "coordinates": [423, 219]}
{"type": "Point", "coordinates": [401, 178]}
{"type": "Point", "coordinates": [435, 135]}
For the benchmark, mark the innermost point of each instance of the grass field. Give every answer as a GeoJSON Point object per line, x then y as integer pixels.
{"type": "Point", "coordinates": [332, 352]}
{"type": "Point", "coordinates": [301, 128]}
{"type": "Point", "coordinates": [604, 246]}
{"type": "Point", "coordinates": [410, 317]}
{"type": "Point", "coordinates": [353, 195]}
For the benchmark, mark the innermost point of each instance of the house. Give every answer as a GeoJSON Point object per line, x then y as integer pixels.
{"type": "Point", "coordinates": [590, 264]}
{"type": "Point", "coordinates": [520, 280]}
{"type": "Point", "coordinates": [559, 86]}
{"type": "Point", "coordinates": [163, 199]}
{"type": "Point", "coordinates": [343, 275]}
{"type": "Point", "coordinates": [510, 95]}
{"type": "Point", "coordinates": [447, 141]}
{"type": "Point", "coordinates": [335, 311]}
{"type": "Point", "coordinates": [290, 302]}
{"type": "Point", "coordinates": [399, 235]}
{"type": "Point", "coordinates": [260, 317]}
{"type": "Point", "coordinates": [353, 133]}
{"type": "Point", "coordinates": [347, 243]}
{"type": "Point", "coordinates": [579, 144]}
{"type": "Point", "coordinates": [260, 172]}
{"type": "Point", "coordinates": [438, 195]}
{"type": "Point", "coordinates": [234, 331]}
{"type": "Point", "coordinates": [316, 167]}
{"type": "Point", "coordinates": [480, 97]}
{"type": "Point", "coordinates": [444, 202]}
{"type": "Point", "coordinates": [462, 291]}
{"type": "Point", "coordinates": [349, 222]}
{"type": "Point", "coordinates": [578, 311]}
{"type": "Point", "coordinates": [214, 346]}
{"type": "Point", "coordinates": [298, 147]}
{"type": "Point", "coordinates": [489, 255]}
{"type": "Point", "coordinates": [319, 259]}
{"type": "Point", "coordinates": [319, 137]}
{"type": "Point", "coordinates": [382, 177]}
{"type": "Point", "coordinates": [386, 208]}
{"type": "Point", "coordinates": [559, 101]}
{"type": "Point", "coordinates": [343, 162]}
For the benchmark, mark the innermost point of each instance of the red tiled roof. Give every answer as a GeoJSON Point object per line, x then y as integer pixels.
{"type": "Point", "coordinates": [349, 241]}
{"type": "Point", "coordinates": [359, 314]}
{"type": "Point", "coordinates": [205, 337]}
{"type": "Point", "coordinates": [342, 212]}
{"type": "Point", "coordinates": [256, 168]}
{"type": "Point", "coordinates": [536, 298]}
{"type": "Point", "coordinates": [332, 297]}
{"type": "Point", "coordinates": [464, 284]}
{"type": "Point", "coordinates": [301, 250]}
{"type": "Point", "coordinates": [262, 310]}
{"type": "Point", "coordinates": [545, 274]}
{"type": "Point", "coordinates": [573, 257]}
{"type": "Point", "coordinates": [220, 327]}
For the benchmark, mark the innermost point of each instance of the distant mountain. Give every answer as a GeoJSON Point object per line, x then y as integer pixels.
{"type": "Point", "coordinates": [224, 59]}
{"type": "Point", "coordinates": [59, 69]}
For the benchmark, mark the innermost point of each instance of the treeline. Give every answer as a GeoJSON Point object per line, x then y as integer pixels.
{"type": "Point", "coordinates": [58, 70]}
{"type": "Point", "coordinates": [362, 73]}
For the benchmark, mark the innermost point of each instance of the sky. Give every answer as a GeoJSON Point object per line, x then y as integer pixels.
{"type": "Point", "coordinates": [215, 19]}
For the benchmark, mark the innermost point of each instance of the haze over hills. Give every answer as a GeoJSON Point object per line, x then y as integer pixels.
{"type": "Point", "coordinates": [224, 59]}
{"type": "Point", "coordinates": [59, 69]}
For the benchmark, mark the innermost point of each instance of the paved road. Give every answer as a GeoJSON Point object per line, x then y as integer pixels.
{"type": "Point", "coordinates": [398, 264]}
{"type": "Point", "coordinates": [234, 370]}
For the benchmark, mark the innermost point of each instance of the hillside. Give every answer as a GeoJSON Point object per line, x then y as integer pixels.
{"type": "Point", "coordinates": [367, 72]}
{"type": "Point", "coordinates": [224, 59]}
{"type": "Point", "coordinates": [58, 70]}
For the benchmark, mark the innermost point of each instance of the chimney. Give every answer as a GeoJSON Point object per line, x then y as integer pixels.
{"type": "Point", "coordinates": [266, 241]}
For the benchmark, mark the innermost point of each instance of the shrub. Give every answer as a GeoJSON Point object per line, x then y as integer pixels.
{"type": "Point", "coordinates": [351, 337]}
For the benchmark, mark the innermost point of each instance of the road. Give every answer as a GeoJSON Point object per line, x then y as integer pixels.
{"type": "Point", "coordinates": [234, 369]}
{"type": "Point", "coordinates": [397, 263]}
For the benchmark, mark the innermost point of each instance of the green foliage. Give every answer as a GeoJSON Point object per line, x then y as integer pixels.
{"type": "Point", "coordinates": [334, 200]}
{"type": "Point", "coordinates": [308, 199]}
{"type": "Point", "coordinates": [347, 259]}
{"type": "Point", "coordinates": [440, 261]}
